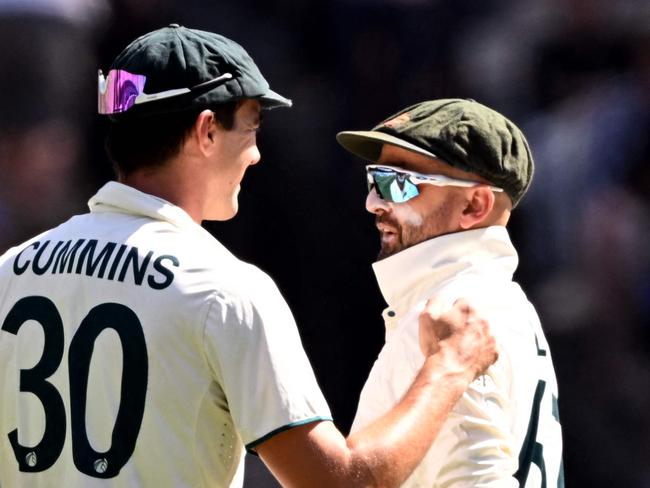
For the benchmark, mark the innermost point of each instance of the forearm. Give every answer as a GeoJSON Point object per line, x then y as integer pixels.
{"type": "Point", "coordinates": [385, 452]}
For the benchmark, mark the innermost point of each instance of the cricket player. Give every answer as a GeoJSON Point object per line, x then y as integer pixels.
{"type": "Point", "coordinates": [137, 351]}
{"type": "Point", "coordinates": [443, 177]}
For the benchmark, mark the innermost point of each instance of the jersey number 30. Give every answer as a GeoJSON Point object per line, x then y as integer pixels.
{"type": "Point", "coordinates": [133, 386]}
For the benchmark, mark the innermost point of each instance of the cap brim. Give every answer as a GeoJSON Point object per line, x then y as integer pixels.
{"type": "Point", "coordinates": [367, 144]}
{"type": "Point", "coordinates": [272, 99]}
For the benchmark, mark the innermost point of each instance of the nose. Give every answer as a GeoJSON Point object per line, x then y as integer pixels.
{"type": "Point", "coordinates": [255, 155]}
{"type": "Point", "coordinates": [375, 204]}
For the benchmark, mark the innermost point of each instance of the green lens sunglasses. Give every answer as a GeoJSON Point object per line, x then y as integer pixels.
{"type": "Point", "coordinates": [399, 185]}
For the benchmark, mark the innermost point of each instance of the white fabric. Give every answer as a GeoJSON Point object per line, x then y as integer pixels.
{"type": "Point", "coordinates": [226, 367]}
{"type": "Point", "coordinates": [480, 443]}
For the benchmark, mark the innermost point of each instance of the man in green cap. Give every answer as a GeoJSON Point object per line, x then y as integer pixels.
{"type": "Point", "coordinates": [135, 350]}
{"type": "Point", "coordinates": [443, 177]}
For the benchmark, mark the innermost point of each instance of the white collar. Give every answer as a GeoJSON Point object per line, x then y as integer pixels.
{"type": "Point", "coordinates": [436, 260]}
{"type": "Point", "coordinates": [117, 197]}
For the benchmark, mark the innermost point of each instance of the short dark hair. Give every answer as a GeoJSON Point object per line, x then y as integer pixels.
{"type": "Point", "coordinates": [152, 141]}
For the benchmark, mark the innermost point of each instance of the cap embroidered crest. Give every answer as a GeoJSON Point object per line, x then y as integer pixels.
{"type": "Point", "coordinates": [398, 121]}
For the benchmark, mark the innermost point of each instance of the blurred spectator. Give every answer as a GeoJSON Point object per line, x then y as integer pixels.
{"type": "Point", "coordinates": [47, 70]}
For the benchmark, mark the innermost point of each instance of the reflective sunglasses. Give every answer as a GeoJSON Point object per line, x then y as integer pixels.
{"type": "Point", "coordinates": [399, 185]}
{"type": "Point", "coordinates": [120, 90]}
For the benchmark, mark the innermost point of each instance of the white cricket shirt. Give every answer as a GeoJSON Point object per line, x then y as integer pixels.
{"type": "Point", "coordinates": [136, 351]}
{"type": "Point", "coordinates": [505, 428]}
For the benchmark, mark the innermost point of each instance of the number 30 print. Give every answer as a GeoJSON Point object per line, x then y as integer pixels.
{"type": "Point", "coordinates": [133, 386]}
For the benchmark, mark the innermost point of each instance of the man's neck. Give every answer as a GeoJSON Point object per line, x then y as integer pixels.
{"type": "Point", "coordinates": [171, 185]}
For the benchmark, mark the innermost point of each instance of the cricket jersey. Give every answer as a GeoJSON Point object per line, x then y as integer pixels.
{"type": "Point", "coordinates": [137, 351]}
{"type": "Point", "coordinates": [505, 430]}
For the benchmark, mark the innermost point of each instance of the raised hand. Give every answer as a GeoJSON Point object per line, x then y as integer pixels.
{"type": "Point", "coordinates": [459, 336]}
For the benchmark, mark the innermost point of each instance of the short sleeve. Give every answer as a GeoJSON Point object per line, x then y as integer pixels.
{"type": "Point", "coordinates": [252, 343]}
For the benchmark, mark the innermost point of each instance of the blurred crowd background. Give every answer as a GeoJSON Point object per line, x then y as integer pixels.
{"type": "Point", "coordinates": [574, 74]}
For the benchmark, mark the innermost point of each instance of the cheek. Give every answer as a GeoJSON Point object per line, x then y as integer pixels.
{"type": "Point", "coordinates": [411, 216]}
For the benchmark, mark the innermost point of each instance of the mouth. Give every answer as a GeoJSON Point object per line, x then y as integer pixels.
{"type": "Point", "coordinates": [385, 228]}
{"type": "Point", "coordinates": [387, 233]}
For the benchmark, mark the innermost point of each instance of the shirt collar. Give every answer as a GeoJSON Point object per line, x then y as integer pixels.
{"type": "Point", "coordinates": [432, 262]}
{"type": "Point", "coordinates": [117, 197]}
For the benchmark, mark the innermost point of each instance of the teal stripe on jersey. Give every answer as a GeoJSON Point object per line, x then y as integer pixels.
{"type": "Point", "coordinates": [251, 446]}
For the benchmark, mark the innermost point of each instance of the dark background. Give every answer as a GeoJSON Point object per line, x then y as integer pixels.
{"type": "Point", "coordinates": [573, 74]}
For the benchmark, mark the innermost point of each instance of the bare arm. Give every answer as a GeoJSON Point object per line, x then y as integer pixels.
{"type": "Point", "coordinates": [457, 348]}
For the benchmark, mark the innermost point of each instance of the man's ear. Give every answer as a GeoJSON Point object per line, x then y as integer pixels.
{"type": "Point", "coordinates": [479, 205]}
{"type": "Point", "coordinates": [205, 132]}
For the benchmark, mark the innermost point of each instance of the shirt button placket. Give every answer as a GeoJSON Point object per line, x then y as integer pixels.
{"type": "Point", "coordinates": [390, 318]}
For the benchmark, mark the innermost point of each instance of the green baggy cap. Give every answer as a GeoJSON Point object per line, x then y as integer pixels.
{"type": "Point", "coordinates": [176, 57]}
{"type": "Point", "coordinates": [463, 133]}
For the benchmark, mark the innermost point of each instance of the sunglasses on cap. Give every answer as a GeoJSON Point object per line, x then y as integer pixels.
{"type": "Point", "coordinates": [399, 185]}
{"type": "Point", "coordinates": [120, 90]}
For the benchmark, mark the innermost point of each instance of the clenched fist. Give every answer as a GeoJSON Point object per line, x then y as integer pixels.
{"type": "Point", "coordinates": [459, 336]}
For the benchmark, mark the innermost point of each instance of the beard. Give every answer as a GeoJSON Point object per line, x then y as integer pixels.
{"type": "Point", "coordinates": [396, 244]}
{"type": "Point", "coordinates": [411, 232]}
{"type": "Point", "coordinates": [405, 236]}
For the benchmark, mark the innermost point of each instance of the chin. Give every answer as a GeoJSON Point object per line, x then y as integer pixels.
{"type": "Point", "coordinates": [387, 251]}
{"type": "Point", "coordinates": [222, 214]}
{"type": "Point", "coordinates": [227, 215]}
